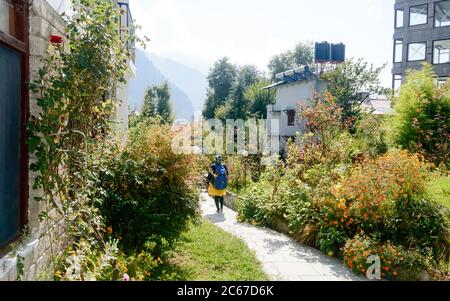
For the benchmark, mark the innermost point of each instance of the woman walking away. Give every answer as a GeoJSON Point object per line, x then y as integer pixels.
{"type": "Point", "coordinates": [218, 182]}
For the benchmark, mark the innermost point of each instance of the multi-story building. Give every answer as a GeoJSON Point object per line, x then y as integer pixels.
{"type": "Point", "coordinates": [422, 34]}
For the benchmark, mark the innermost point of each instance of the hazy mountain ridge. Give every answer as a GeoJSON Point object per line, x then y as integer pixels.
{"type": "Point", "coordinates": [186, 84]}
{"type": "Point", "coordinates": [148, 75]}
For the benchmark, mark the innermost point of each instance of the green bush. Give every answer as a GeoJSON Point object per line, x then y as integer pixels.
{"type": "Point", "coordinates": [420, 224]}
{"type": "Point", "coordinates": [147, 193]}
{"type": "Point", "coordinates": [370, 139]}
{"type": "Point", "coordinates": [330, 240]}
{"type": "Point", "coordinates": [252, 205]}
{"type": "Point", "coordinates": [422, 120]}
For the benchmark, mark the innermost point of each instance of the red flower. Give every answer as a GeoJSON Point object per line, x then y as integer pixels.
{"type": "Point", "coordinates": [54, 39]}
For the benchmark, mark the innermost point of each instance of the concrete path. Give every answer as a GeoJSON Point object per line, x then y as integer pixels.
{"type": "Point", "coordinates": [282, 257]}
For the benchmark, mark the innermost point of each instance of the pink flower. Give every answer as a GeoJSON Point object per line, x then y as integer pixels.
{"type": "Point", "coordinates": [126, 277]}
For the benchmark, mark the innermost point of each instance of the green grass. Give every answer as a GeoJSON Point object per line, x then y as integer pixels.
{"type": "Point", "coordinates": [439, 189]}
{"type": "Point", "coordinates": [207, 253]}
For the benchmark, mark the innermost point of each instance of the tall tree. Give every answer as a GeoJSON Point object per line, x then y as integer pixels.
{"type": "Point", "coordinates": [150, 103]}
{"type": "Point", "coordinates": [352, 83]}
{"type": "Point", "coordinates": [157, 102]}
{"type": "Point", "coordinates": [220, 79]}
{"type": "Point", "coordinates": [239, 105]}
{"type": "Point", "coordinates": [259, 98]}
{"type": "Point", "coordinates": [164, 107]}
{"type": "Point", "coordinates": [302, 54]}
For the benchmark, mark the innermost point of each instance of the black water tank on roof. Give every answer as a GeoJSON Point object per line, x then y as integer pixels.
{"type": "Point", "coordinates": [322, 52]}
{"type": "Point", "coordinates": [338, 52]}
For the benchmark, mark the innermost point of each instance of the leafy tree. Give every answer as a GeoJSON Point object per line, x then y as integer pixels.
{"type": "Point", "coordinates": [157, 102]}
{"type": "Point", "coordinates": [302, 54]}
{"type": "Point", "coordinates": [164, 107]}
{"type": "Point", "coordinates": [352, 83]}
{"type": "Point", "coordinates": [240, 106]}
{"type": "Point", "coordinates": [223, 112]}
{"type": "Point", "coordinates": [280, 63]}
{"type": "Point", "coordinates": [150, 103]}
{"type": "Point", "coordinates": [220, 79]}
{"type": "Point", "coordinates": [422, 122]}
{"type": "Point", "coordinates": [259, 98]}
{"type": "Point", "coordinates": [248, 75]}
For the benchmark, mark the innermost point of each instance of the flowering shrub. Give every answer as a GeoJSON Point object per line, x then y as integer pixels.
{"type": "Point", "coordinates": [324, 140]}
{"type": "Point", "coordinates": [395, 261]}
{"type": "Point", "coordinates": [147, 192]}
{"type": "Point", "coordinates": [357, 251]}
{"type": "Point", "coordinates": [372, 189]}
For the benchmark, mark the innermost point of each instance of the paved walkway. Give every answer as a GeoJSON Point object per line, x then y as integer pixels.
{"type": "Point", "coordinates": [282, 257]}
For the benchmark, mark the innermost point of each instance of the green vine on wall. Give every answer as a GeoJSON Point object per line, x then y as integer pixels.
{"type": "Point", "coordinates": [76, 102]}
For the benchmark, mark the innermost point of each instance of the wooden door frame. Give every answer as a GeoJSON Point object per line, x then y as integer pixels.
{"type": "Point", "coordinates": [20, 41]}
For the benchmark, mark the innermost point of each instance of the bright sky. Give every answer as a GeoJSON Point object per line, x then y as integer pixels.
{"type": "Point", "coordinates": [198, 32]}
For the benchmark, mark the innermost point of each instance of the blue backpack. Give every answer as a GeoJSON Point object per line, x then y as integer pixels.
{"type": "Point", "coordinates": [221, 181]}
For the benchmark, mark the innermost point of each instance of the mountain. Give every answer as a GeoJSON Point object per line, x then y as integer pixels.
{"type": "Point", "coordinates": [147, 74]}
{"type": "Point", "coordinates": [191, 81]}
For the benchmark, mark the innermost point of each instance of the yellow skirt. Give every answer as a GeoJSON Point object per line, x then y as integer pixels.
{"type": "Point", "coordinates": [215, 192]}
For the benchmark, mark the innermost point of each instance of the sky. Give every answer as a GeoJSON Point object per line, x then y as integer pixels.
{"type": "Point", "coordinates": [198, 32]}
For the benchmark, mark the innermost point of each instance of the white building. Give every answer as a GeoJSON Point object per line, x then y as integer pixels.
{"type": "Point", "coordinates": [295, 87]}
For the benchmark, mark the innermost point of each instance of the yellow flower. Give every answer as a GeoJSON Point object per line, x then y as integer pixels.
{"type": "Point", "coordinates": [58, 274]}
{"type": "Point", "coordinates": [342, 204]}
{"type": "Point", "coordinates": [330, 253]}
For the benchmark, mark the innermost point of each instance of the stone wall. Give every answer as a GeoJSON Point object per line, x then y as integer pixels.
{"type": "Point", "coordinates": [31, 258]}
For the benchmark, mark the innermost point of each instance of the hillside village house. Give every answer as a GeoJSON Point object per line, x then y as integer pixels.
{"type": "Point", "coordinates": [25, 30]}
{"type": "Point", "coordinates": [295, 87]}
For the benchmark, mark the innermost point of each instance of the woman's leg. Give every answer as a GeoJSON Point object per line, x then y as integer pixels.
{"type": "Point", "coordinates": [216, 200]}
{"type": "Point", "coordinates": [221, 203]}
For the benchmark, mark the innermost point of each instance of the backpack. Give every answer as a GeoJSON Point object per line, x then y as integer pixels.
{"type": "Point", "coordinates": [221, 181]}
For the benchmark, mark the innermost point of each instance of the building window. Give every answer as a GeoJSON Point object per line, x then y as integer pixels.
{"type": "Point", "coordinates": [397, 82]}
{"type": "Point", "coordinates": [399, 18]}
{"type": "Point", "coordinates": [291, 117]}
{"type": "Point", "coordinates": [442, 14]}
{"type": "Point", "coordinates": [441, 52]}
{"type": "Point", "coordinates": [398, 51]}
{"type": "Point", "coordinates": [418, 15]}
{"type": "Point", "coordinates": [417, 51]}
